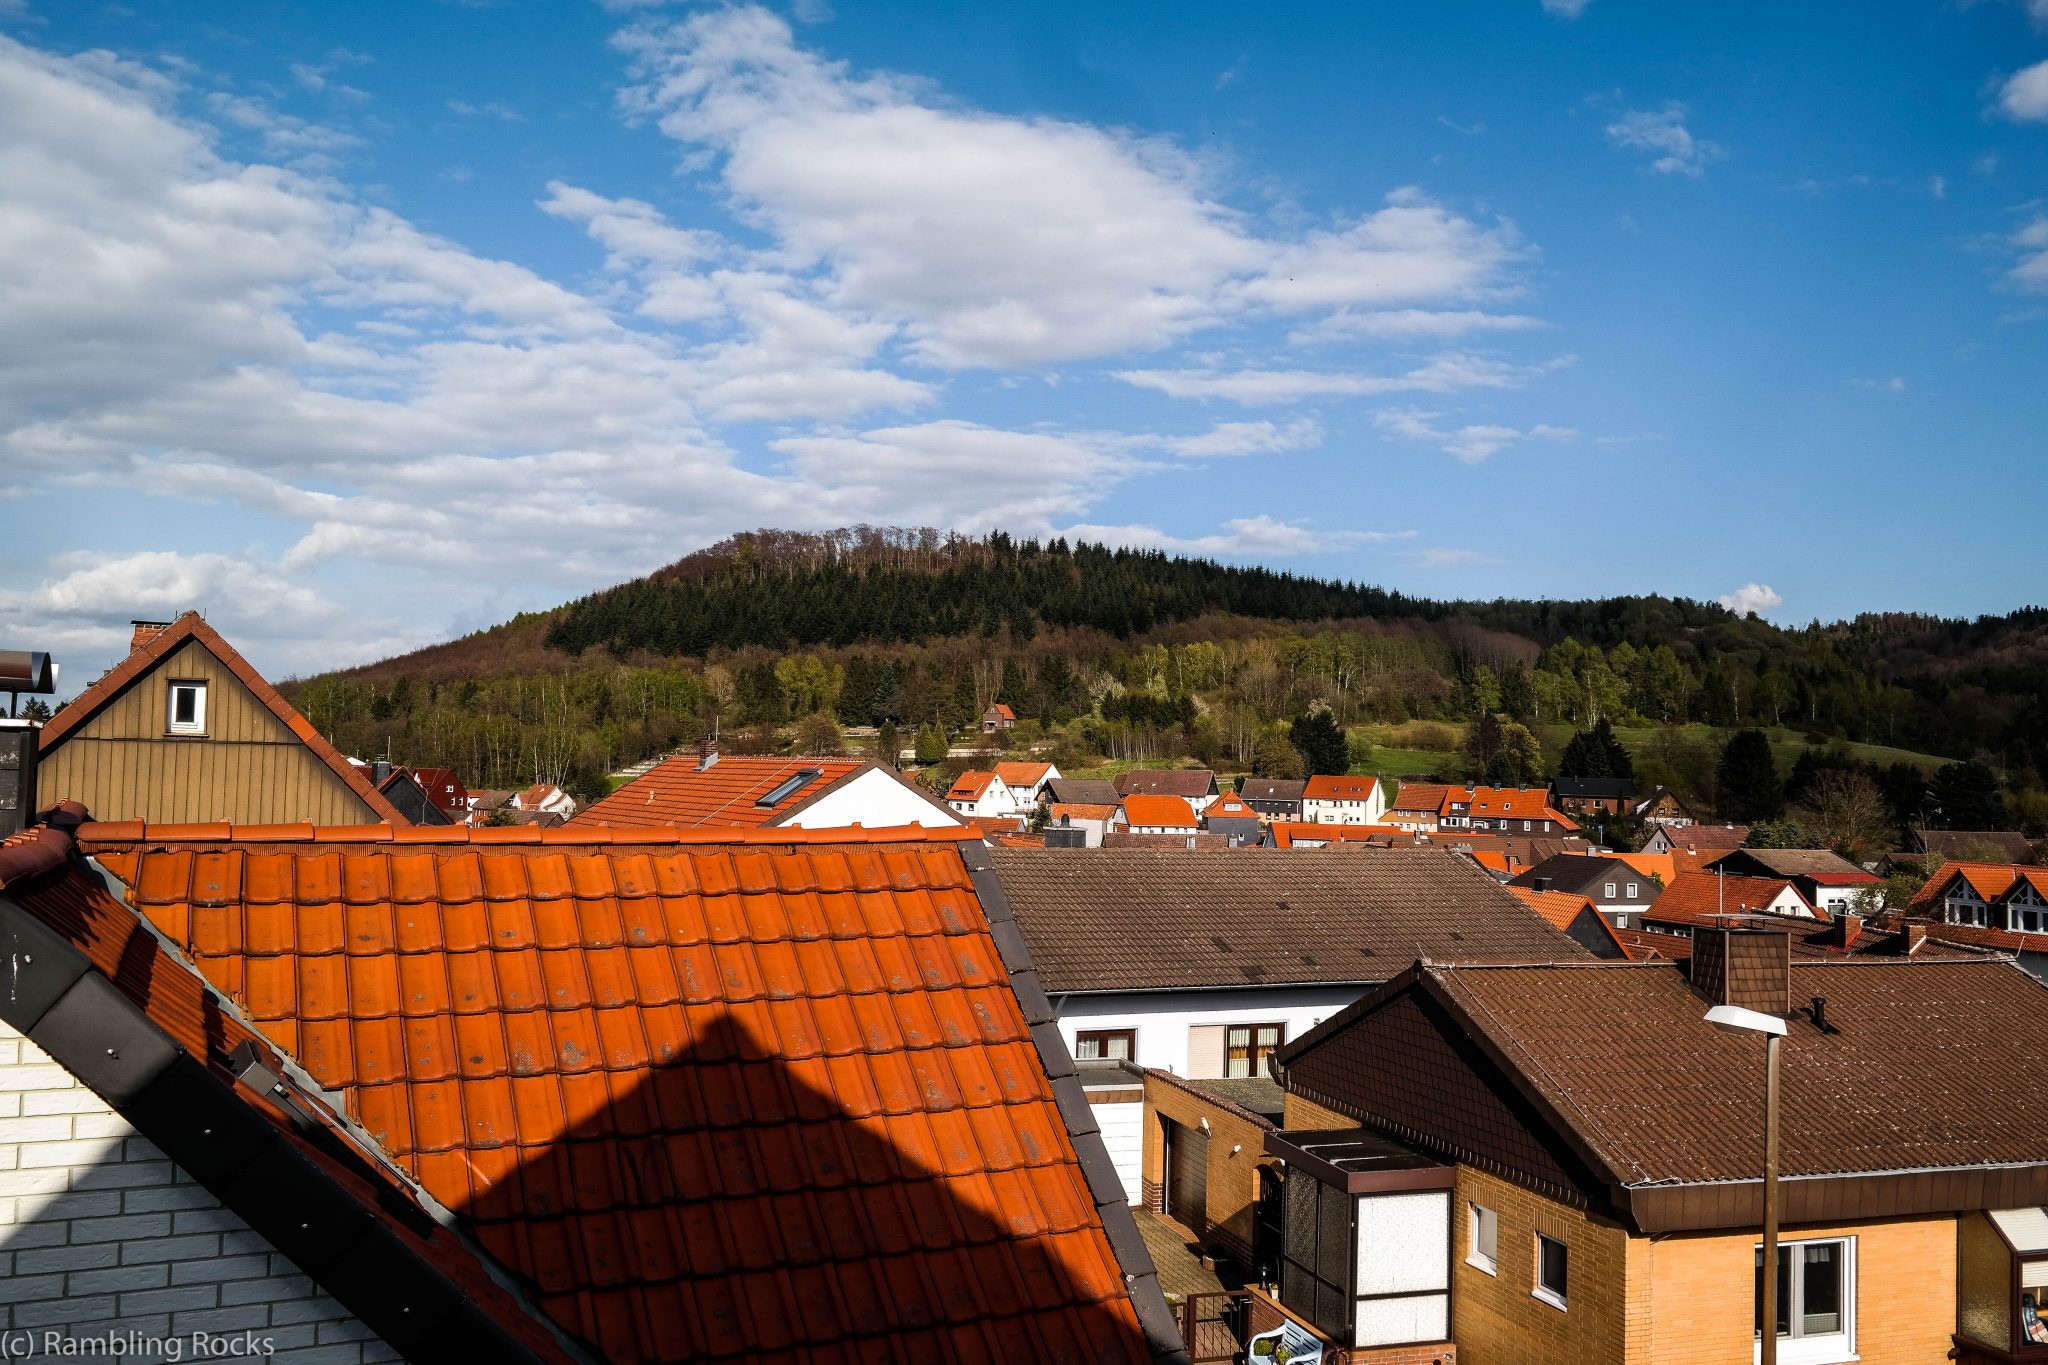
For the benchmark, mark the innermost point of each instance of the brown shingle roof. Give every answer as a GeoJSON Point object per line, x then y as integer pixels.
{"type": "Point", "coordinates": [2011, 845]}
{"type": "Point", "coordinates": [1143, 919]}
{"type": "Point", "coordinates": [1625, 1055]}
{"type": "Point", "coordinates": [1189, 783]}
{"type": "Point", "coordinates": [1421, 796]}
{"type": "Point", "coordinates": [1604, 1085]}
{"type": "Point", "coordinates": [1822, 864]}
{"type": "Point", "coordinates": [1271, 789]}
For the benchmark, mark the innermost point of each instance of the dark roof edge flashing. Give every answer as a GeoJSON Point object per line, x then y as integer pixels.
{"type": "Point", "coordinates": [1141, 1275]}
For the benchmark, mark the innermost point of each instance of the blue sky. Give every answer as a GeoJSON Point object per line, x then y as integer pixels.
{"type": "Point", "coordinates": [361, 325]}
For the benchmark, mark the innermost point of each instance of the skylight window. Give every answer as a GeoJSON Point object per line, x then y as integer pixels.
{"type": "Point", "coordinates": [790, 786]}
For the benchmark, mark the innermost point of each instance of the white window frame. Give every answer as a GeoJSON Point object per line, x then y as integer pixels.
{"type": "Point", "coordinates": [1632, 890]}
{"type": "Point", "coordinates": [1542, 1291]}
{"type": "Point", "coordinates": [1482, 1228]}
{"type": "Point", "coordinates": [197, 725]}
{"type": "Point", "coordinates": [1822, 1348]}
{"type": "Point", "coordinates": [1610, 890]}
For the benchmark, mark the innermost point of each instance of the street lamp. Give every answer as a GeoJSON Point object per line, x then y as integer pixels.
{"type": "Point", "coordinates": [1735, 1019]}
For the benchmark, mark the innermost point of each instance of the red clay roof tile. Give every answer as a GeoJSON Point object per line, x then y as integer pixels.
{"type": "Point", "coordinates": [843, 1113]}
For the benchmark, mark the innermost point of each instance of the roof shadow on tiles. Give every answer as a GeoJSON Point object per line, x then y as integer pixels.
{"type": "Point", "coordinates": [723, 1206]}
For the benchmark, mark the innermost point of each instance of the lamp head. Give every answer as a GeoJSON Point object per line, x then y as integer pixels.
{"type": "Point", "coordinates": [1736, 1019]}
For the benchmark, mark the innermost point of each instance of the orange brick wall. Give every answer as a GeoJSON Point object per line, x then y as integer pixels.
{"type": "Point", "coordinates": [1307, 1116]}
{"type": "Point", "coordinates": [1233, 1176]}
{"type": "Point", "coordinates": [1702, 1289]}
{"type": "Point", "coordinates": [1497, 1320]}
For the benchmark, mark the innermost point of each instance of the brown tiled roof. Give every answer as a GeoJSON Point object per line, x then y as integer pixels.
{"type": "Point", "coordinates": [767, 1098]}
{"type": "Point", "coordinates": [1821, 864]}
{"type": "Point", "coordinates": [1691, 897]}
{"type": "Point", "coordinates": [1140, 919]}
{"type": "Point", "coordinates": [2015, 847]}
{"type": "Point", "coordinates": [191, 627]}
{"type": "Point", "coordinates": [1643, 946]}
{"type": "Point", "coordinates": [1980, 936]}
{"type": "Point", "coordinates": [1094, 791]}
{"type": "Point", "coordinates": [1165, 782]}
{"type": "Point", "coordinates": [1192, 839]}
{"type": "Point", "coordinates": [1271, 789]}
{"type": "Point", "coordinates": [1624, 1053]}
{"type": "Point", "coordinates": [1171, 811]}
{"type": "Point", "coordinates": [1641, 1095]}
{"type": "Point", "coordinates": [725, 795]}
{"type": "Point", "coordinates": [1703, 837]}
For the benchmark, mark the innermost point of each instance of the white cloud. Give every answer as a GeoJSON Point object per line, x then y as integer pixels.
{"type": "Point", "coordinates": [1751, 597]}
{"type": "Point", "coordinates": [1247, 536]}
{"type": "Point", "coordinates": [1894, 384]}
{"type": "Point", "coordinates": [1447, 373]}
{"type": "Point", "coordinates": [1410, 324]}
{"type": "Point", "coordinates": [1469, 443]}
{"type": "Point", "coordinates": [1565, 9]}
{"type": "Point", "coordinates": [2031, 242]}
{"type": "Point", "coordinates": [1247, 438]}
{"type": "Point", "coordinates": [1013, 242]}
{"type": "Point", "coordinates": [1450, 558]}
{"type": "Point", "coordinates": [2024, 97]}
{"type": "Point", "coordinates": [1662, 132]}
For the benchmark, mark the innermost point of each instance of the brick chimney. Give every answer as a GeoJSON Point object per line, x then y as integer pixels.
{"type": "Point", "coordinates": [1748, 967]}
{"type": "Point", "coordinates": [145, 631]}
{"type": "Point", "coordinates": [707, 752]}
{"type": "Point", "coordinates": [1847, 927]}
{"type": "Point", "coordinates": [1912, 934]}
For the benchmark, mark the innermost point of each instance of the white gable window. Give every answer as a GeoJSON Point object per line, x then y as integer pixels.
{"type": "Point", "coordinates": [1610, 890]}
{"type": "Point", "coordinates": [1631, 890]}
{"type": "Point", "coordinates": [185, 712]}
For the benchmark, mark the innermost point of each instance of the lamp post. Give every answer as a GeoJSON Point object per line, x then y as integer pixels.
{"type": "Point", "coordinates": [1735, 1019]}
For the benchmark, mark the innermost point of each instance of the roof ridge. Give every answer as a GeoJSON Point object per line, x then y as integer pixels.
{"type": "Point", "coordinates": [100, 833]}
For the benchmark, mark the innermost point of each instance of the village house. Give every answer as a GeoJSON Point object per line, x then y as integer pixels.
{"type": "Point", "coordinates": [1551, 1164]}
{"type": "Point", "coordinates": [1988, 895]}
{"type": "Point", "coordinates": [1704, 841]}
{"type": "Point", "coordinates": [544, 798]}
{"type": "Point", "coordinates": [1417, 806]}
{"type": "Point", "coordinates": [1230, 816]}
{"type": "Point", "coordinates": [1697, 897]}
{"type": "Point", "coordinates": [1085, 791]}
{"type": "Point", "coordinates": [1145, 814]}
{"type": "Point", "coordinates": [1576, 917]}
{"type": "Point", "coordinates": [998, 718]}
{"type": "Point", "coordinates": [1503, 810]}
{"type": "Point", "coordinates": [1621, 892]}
{"type": "Point", "coordinates": [1029, 784]}
{"type": "Point", "coordinates": [404, 790]}
{"type": "Point", "coordinates": [446, 790]}
{"type": "Point", "coordinates": [582, 1096]}
{"type": "Point", "coordinates": [1203, 963]}
{"type": "Point", "coordinates": [1327, 800]}
{"type": "Point", "coordinates": [1661, 807]}
{"type": "Point", "coordinates": [1274, 798]}
{"type": "Point", "coordinates": [1196, 786]}
{"type": "Point", "coordinates": [1078, 824]}
{"type": "Point", "coordinates": [1827, 880]}
{"type": "Point", "coordinates": [1592, 795]}
{"type": "Point", "coordinates": [184, 729]}
{"type": "Point", "coordinates": [708, 789]}
{"type": "Point", "coordinates": [978, 794]}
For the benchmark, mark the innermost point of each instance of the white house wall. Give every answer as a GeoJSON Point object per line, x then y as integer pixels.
{"type": "Point", "coordinates": [103, 1235]}
{"type": "Point", "coordinates": [1123, 1133]}
{"type": "Point", "coordinates": [1161, 1019]}
{"type": "Point", "coordinates": [873, 800]}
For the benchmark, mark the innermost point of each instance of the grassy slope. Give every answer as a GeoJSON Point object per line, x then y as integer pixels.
{"type": "Point", "coordinates": [1392, 759]}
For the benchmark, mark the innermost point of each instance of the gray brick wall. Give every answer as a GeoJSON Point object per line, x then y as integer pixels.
{"type": "Point", "coordinates": [101, 1235]}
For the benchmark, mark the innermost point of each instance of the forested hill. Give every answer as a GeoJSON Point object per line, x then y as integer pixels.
{"type": "Point", "coordinates": [781, 590]}
{"type": "Point", "coordinates": [1140, 654]}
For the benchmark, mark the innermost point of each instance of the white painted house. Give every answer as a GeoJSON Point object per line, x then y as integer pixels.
{"type": "Point", "coordinates": [1328, 800]}
{"type": "Point", "coordinates": [980, 793]}
{"type": "Point", "coordinates": [709, 789]}
{"type": "Point", "coordinates": [1204, 963]}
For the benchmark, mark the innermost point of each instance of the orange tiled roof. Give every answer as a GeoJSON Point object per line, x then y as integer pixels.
{"type": "Point", "coordinates": [191, 627]}
{"type": "Point", "coordinates": [1285, 832]}
{"type": "Point", "coordinates": [1694, 896]}
{"type": "Point", "coordinates": [970, 785]}
{"type": "Point", "coordinates": [726, 795]}
{"type": "Point", "coordinates": [1561, 910]}
{"type": "Point", "coordinates": [1171, 811]}
{"type": "Point", "coordinates": [706, 1100]}
{"type": "Point", "coordinates": [1081, 810]}
{"type": "Point", "coordinates": [1423, 796]}
{"type": "Point", "coordinates": [1656, 865]}
{"type": "Point", "coordinates": [1991, 881]}
{"type": "Point", "coordinates": [1509, 803]}
{"type": "Point", "coordinates": [1330, 788]}
{"type": "Point", "coordinates": [1023, 775]}
{"type": "Point", "coordinates": [1230, 806]}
